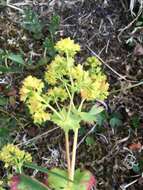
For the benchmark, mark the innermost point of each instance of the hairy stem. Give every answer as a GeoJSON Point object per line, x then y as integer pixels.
{"type": "Point", "coordinates": [53, 109]}
{"type": "Point", "coordinates": [81, 104]}
{"type": "Point", "coordinates": [68, 152]}
{"type": "Point", "coordinates": [74, 155]}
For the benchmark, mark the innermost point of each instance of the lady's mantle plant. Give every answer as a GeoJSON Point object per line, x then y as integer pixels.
{"type": "Point", "coordinates": [61, 97]}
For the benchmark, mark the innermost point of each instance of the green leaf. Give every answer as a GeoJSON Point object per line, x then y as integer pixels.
{"type": "Point", "coordinates": [28, 183]}
{"type": "Point", "coordinates": [45, 170]}
{"type": "Point", "coordinates": [67, 123]}
{"type": "Point", "coordinates": [54, 24]}
{"type": "Point", "coordinates": [91, 115]}
{"type": "Point", "coordinates": [32, 23]}
{"type": "Point", "coordinates": [3, 101]}
{"type": "Point", "coordinates": [55, 182]}
{"type": "Point", "coordinates": [89, 141]}
{"type": "Point", "coordinates": [81, 180]}
{"type": "Point", "coordinates": [115, 122]}
{"type": "Point", "coordinates": [96, 110]}
{"type": "Point", "coordinates": [136, 168]}
{"type": "Point", "coordinates": [101, 118]}
{"type": "Point", "coordinates": [135, 122]}
{"type": "Point", "coordinates": [50, 47]}
{"type": "Point", "coordinates": [16, 58]}
{"type": "Point", "coordinates": [4, 136]}
{"type": "Point", "coordinates": [4, 69]}
{"type": "Point", "coordinates": [87, 117]}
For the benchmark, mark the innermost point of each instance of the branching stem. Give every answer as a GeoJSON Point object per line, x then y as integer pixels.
{"type": "Point", "coordinates": [53, 109]}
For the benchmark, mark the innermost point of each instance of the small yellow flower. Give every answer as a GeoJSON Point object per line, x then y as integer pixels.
{"type": "Point", "coordinates": [40, 116]}
{"type": "Point", "coordinates": [81, 77]}
{"type": "Point", "coordinates": [57, 93]}
{"type": "Point", "coordinates": [30, 84]}
{"type": "Point", "coordinates": [56, 70]}
{"type": "Point", "coordinates": [11, 155]}
{"type": "Point", "coordinates": [93, 62]}
{"type": "Point", "coordinates": [67, 46]}
{"type": "Point", "coordinates": [98, 90]}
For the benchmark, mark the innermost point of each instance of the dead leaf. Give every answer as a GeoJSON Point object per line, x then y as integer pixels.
{"type": "Point", "coordinates": [135, 146]}
{"type": "Point", "coordinates": [12, 92]}
{"type": "Point", "coordinates": [138, 50]}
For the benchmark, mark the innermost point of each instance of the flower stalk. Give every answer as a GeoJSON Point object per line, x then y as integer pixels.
{"type": "Point", "coordinates": [68, 152]}
{"type": "Point", "coordinates": [74, 155]}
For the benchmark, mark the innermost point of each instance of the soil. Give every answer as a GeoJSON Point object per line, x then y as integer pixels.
{"type": "Point", "coordinates": [95, 25]}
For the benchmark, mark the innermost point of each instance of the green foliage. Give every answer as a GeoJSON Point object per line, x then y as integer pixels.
{"type": "Point", "coordinates": [135, 122]}
{"type": "Point", "coordinates": [4, 136]}
{"type": "Point", "coordinates": [17, 58]}
{"type": "Point", "coordinates": [7, 125]}
{"type": "Point", "coordinates": [10, 62]}
{"type": "Point", "coordinates": [80, 181]}
{"type": "Point", "coordinates": [45, 170]}
{"type": "Point", "coordinates": [101, 118]}
{"type": "Point", "coordinates": [32, 23]}
{"type": "Point", "coordinates": [23, 182]}
{"type": "Point", "coordinates": [72, 121]}
{"type": "Point", "coordinates": [54, 24]}
{"type": "Point", "coordinates": [3, 101]}
{"type": "Point", "coordinates": [69, 122]}
{"type": "Point", "coordinates": [115, 120]}
{"type": "Point", "coordinates": [49, 47]}
{"type": "Point", "coordinates": [49, 42]}
{"type": "Point", "coordinates": [136, 168]}
{"type": "Point", "coordinates": [89, 140]}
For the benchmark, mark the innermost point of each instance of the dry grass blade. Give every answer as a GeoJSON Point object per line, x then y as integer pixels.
{"type": "Point", "coordinates": [133, 4]}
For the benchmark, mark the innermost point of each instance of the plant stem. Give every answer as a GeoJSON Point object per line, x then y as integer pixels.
{"type": "Point", "coordinates": [74, 155]}
{"type": "Point", "coordinates": [53, 109]}
{"type": "Point", "coordinates": [127, 88]}
{"type": "Point", "coordinates": [68, 152]}
{"type": "Point", "coordinates": [81, 104]}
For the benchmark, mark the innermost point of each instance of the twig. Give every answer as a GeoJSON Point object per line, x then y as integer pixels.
{"type": "Point", "coordinates": [124, 187]}
{"type": "Point", "coordinates": [119, 75]}
{"type": "Point", "coordinates": [37, 137]}
{"type": "Point", "coordinates": [127, 88]}
{"type": "Point", "coordinates": [129, 25]}
{"type": "Point", "coordinates": [14, 7]}
{"type": "Point", "coordinates": [88, 133]}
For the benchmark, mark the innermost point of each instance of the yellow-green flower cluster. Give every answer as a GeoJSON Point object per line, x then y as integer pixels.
{"type": "Point", "coordinates": [56, 70]}
{"type": "Point", "coordinates": [97, 89]}
{"type": "Point", "coordinates": [67, 46]}
{"type": "Point", "coordinates": [31, 93]}
{"type": "Point", "coordinates": [11, 155]}
{"type": "Point", "coordinates": [57, 94]}
{"type": "Point", "coordinates": [91, 83]}
{"type": "Point", "coordinates": [65, 79]}
{"type": "Point", "coordinates": [93, 62]}
{"type": "Point", "coordinates": [37, 108]}
{"type": "Point", "coordinates": [30, 84]}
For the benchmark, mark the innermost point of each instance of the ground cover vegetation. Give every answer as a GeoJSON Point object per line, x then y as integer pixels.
{"type": "Point", "coordinates": [71, 95]}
